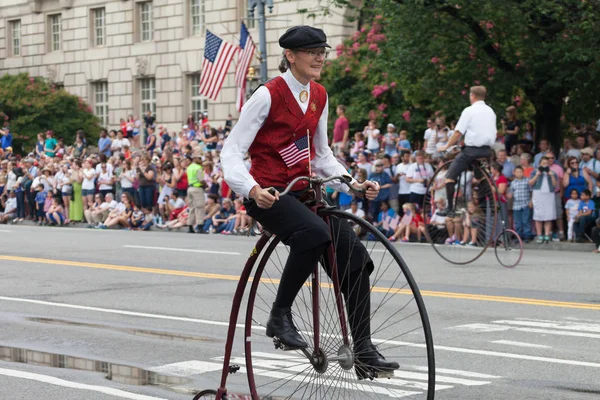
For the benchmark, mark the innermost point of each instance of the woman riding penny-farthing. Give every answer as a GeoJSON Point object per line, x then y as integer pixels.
{"type": "Point", "coordinates": [359, 324]}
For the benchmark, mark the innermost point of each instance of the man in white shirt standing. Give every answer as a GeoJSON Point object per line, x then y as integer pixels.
{"type": "Point", "coordinates": [279, 116]}
{"type": "Point", "coordinates": [478, 123]}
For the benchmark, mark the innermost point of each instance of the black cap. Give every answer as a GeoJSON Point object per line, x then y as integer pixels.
{"type": "Point", "coordinates": [303, 37]}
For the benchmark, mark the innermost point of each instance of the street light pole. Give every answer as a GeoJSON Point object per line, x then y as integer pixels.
{"type": "Point", "coordinates": [262, 32]}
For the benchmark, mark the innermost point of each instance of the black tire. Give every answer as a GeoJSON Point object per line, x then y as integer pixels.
{"type": "Point", "coordinates": [208, 394]}
{"type": "Point", "coordinates": [508, 248]}
{"type": "Point", "coordinates": [264, 287]}
{"type": "Point", "coordinates": [486, 206]}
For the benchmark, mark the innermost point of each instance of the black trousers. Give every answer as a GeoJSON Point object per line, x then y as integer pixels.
{"type": "Point", "coordinates": [307, 233]}
{"type": "Point", "coordinates": [465, 159]}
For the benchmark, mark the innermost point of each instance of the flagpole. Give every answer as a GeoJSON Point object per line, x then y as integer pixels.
{"type": "Point", "coordinates": [309, 167]}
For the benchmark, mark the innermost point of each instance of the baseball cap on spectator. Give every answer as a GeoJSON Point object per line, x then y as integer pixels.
{"type": "Point", "coordinates": [588, 151]}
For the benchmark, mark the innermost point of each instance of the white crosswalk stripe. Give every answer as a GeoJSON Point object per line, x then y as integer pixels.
{"type": "Point", "coordinates": [409, 381]}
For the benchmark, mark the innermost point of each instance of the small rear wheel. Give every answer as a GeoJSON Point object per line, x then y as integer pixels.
{"type": "Point", "coordinates": [508, 248]}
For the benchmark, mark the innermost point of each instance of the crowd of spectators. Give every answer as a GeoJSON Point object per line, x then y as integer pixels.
{"type": "Point", "coordinates": [546, 195]}
{"type": "Point", "coordinates": [122, 181]}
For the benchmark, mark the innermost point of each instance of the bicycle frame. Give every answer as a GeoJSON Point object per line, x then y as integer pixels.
{"type": "Point", "coordinates": [319, 203]}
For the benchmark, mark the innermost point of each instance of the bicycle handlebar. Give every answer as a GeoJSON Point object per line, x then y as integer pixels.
{"type": "Point", "coordinates": [345, 179]}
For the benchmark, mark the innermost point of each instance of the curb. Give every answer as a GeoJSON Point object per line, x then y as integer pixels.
{"type": "Point", "coordinates": [552, 246]}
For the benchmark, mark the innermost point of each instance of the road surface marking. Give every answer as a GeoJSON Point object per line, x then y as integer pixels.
{"type": "Point", "coordinates": [536, 323]}
{"type": "Point", "coordinates": [75, 385]}
{"type": "Point", "coordinates": [229, 253]}
{"type": "Point", "coordinates": [123, 312]}
{"type": "Point", "coordinates": [457, 372]}
{"type": "Point", "coordinates": [187, 368]}
{"type": "Point", "coordinates": [487, 328]}
{"type": "Point", "coordinates": [260, 328]}
{"type": "Point", "coordinates": [5, 231]}
{"type": "Point", "coordinates": [521, 344]}
{"type": "Point", "coordinates": [426, 293]}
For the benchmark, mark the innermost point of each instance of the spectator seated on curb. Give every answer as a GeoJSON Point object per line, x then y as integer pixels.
{"type": "Point", "coordinates": [10, 208]}
{"type": "Point", "coordinates": [211, 208]}
{"type": "Point", "coordinates": [179, 222]}
{"type": "Point", "coordinates": [585, 216]}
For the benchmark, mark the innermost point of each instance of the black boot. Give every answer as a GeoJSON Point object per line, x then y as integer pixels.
{"type": "Point", "coordinates": [370, 363]}
{"type": "Point", "coordinates": [191, 229]}
{"type": "Point", "coordinates": [281, 326]}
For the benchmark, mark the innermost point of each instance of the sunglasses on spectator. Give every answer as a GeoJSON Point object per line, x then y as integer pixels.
{"type": "Point", "coordinates": [573, 162]}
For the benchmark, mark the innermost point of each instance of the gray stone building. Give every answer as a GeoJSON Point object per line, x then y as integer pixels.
{"type": "Point", "coordinates": [129, 56]}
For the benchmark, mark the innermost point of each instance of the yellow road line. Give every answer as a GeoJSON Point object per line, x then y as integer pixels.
{"type": "Point", "coordinates": [426, 293]}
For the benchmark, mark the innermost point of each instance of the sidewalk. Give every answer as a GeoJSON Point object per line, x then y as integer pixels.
{"type": "Point", "coordinates": [554, 246]}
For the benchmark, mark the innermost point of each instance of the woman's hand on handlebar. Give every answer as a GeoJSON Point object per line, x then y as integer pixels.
{"type": "Point", "coordinates": [371, 189]}
{"type": "Point", "coordinates": [264, 198]}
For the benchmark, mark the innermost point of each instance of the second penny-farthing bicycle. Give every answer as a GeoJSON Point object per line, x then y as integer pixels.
{"type": "Point", "coordinates": [327, 368]}
{"type": "Point", "coordinates": [479, 221]}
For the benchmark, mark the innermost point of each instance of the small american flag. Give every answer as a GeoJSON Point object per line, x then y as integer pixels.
{"type": "Point", "coordinates": [295, 152]}
{"type": "Point", "coordinates": [217, 59]}
{"type": "Point", "coordinates": [245, 58]}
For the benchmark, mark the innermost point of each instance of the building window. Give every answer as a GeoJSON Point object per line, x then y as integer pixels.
{"type": "Point", "coordinates": [146, 22]}
{"type": "Point", "coordinates": [148, 95]}
{"type": "Point", "coordinates": [199, 104]}
{"type": "Point", "coordinates": [55, 32]}
{"type": "Point", "coordinates": [197, 13]}
{"type": "Point", "coordinates": [99, 27]}
{"type": "Point", "coordinates": [101, 101]}
{"type": "Point", "coordinates": [15, 38]}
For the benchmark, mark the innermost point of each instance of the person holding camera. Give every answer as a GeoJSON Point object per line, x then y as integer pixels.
{"type": "Point", "coordinates": [418, 176]}
{"type": "Point", "coordinates": [544, 208]}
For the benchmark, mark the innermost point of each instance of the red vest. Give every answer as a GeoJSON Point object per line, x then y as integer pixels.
{"type": "Point", "coordinates": [279, 152]}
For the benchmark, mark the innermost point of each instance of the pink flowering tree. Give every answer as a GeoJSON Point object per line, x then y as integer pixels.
{"type": "Point", "coordinates": [542, 51]}
{"type": "Point", "coordinates": [360, 79]}
{"type": "Point", "coordinates": [32, 105]}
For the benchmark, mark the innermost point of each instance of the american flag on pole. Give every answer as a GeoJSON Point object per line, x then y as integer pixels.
{"type": "Point", "coordinates": [217, 59]}
{"type": "Point", "coordinates": [245, 58]}
{"type": "Point", "coordinates": [295, 152]}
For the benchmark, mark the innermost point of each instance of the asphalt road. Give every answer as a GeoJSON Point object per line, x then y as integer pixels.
{"type": "Point", "coordinates": [106, 315]}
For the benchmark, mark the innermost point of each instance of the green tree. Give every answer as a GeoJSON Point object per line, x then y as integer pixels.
{"type": "Point", "coordinates": [32, 105]}
{"type": "Point", "coordinates": [537, 53]}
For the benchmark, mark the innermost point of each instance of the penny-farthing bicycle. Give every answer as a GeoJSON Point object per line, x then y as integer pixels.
{"type": "Point", "coordinates": [327, 368]}
{"type": "Point", "coordinates": [479, 221]}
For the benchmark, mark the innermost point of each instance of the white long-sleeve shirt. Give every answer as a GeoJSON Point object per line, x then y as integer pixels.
{"type": "Point", "coordinates": [252, 118]}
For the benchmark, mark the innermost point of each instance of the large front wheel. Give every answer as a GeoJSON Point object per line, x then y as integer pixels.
{"type": "Point", "coordinates": [464, 237]}
{"type": "Point", "coordinates": [398, 323]}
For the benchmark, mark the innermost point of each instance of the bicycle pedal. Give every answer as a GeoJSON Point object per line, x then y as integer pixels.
{"type": "Point", "coordinates": [278, 344]}
{"type": "Point", "coordinates": [383, 374]}
{"type": "Point", "coordinates": [234, 368]}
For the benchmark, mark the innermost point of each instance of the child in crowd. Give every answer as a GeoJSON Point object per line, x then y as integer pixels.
{"type": "Point", "coordinates": [137, 218]}
{"type": "Point", "coordinates": [48, 201]}
{"type": "Point", "coordinates": [148, 219]}
{"type": "Point", "coordinates": [409, 224]}
{"type": "Point", "coordinates": [520, 192]}
{"type": "Point", "coordinates": [585, 214]}
{"type": "Point", "coordinates": [387, 220]}
{"type": "Point", "coordinates": [40, 200]}
{"type": "Point", "coordinates": [572, 209]}
{"type": "Point", "coordinates": [471, 221]}
{"type": "Point", "coordinates": [403, 143]}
